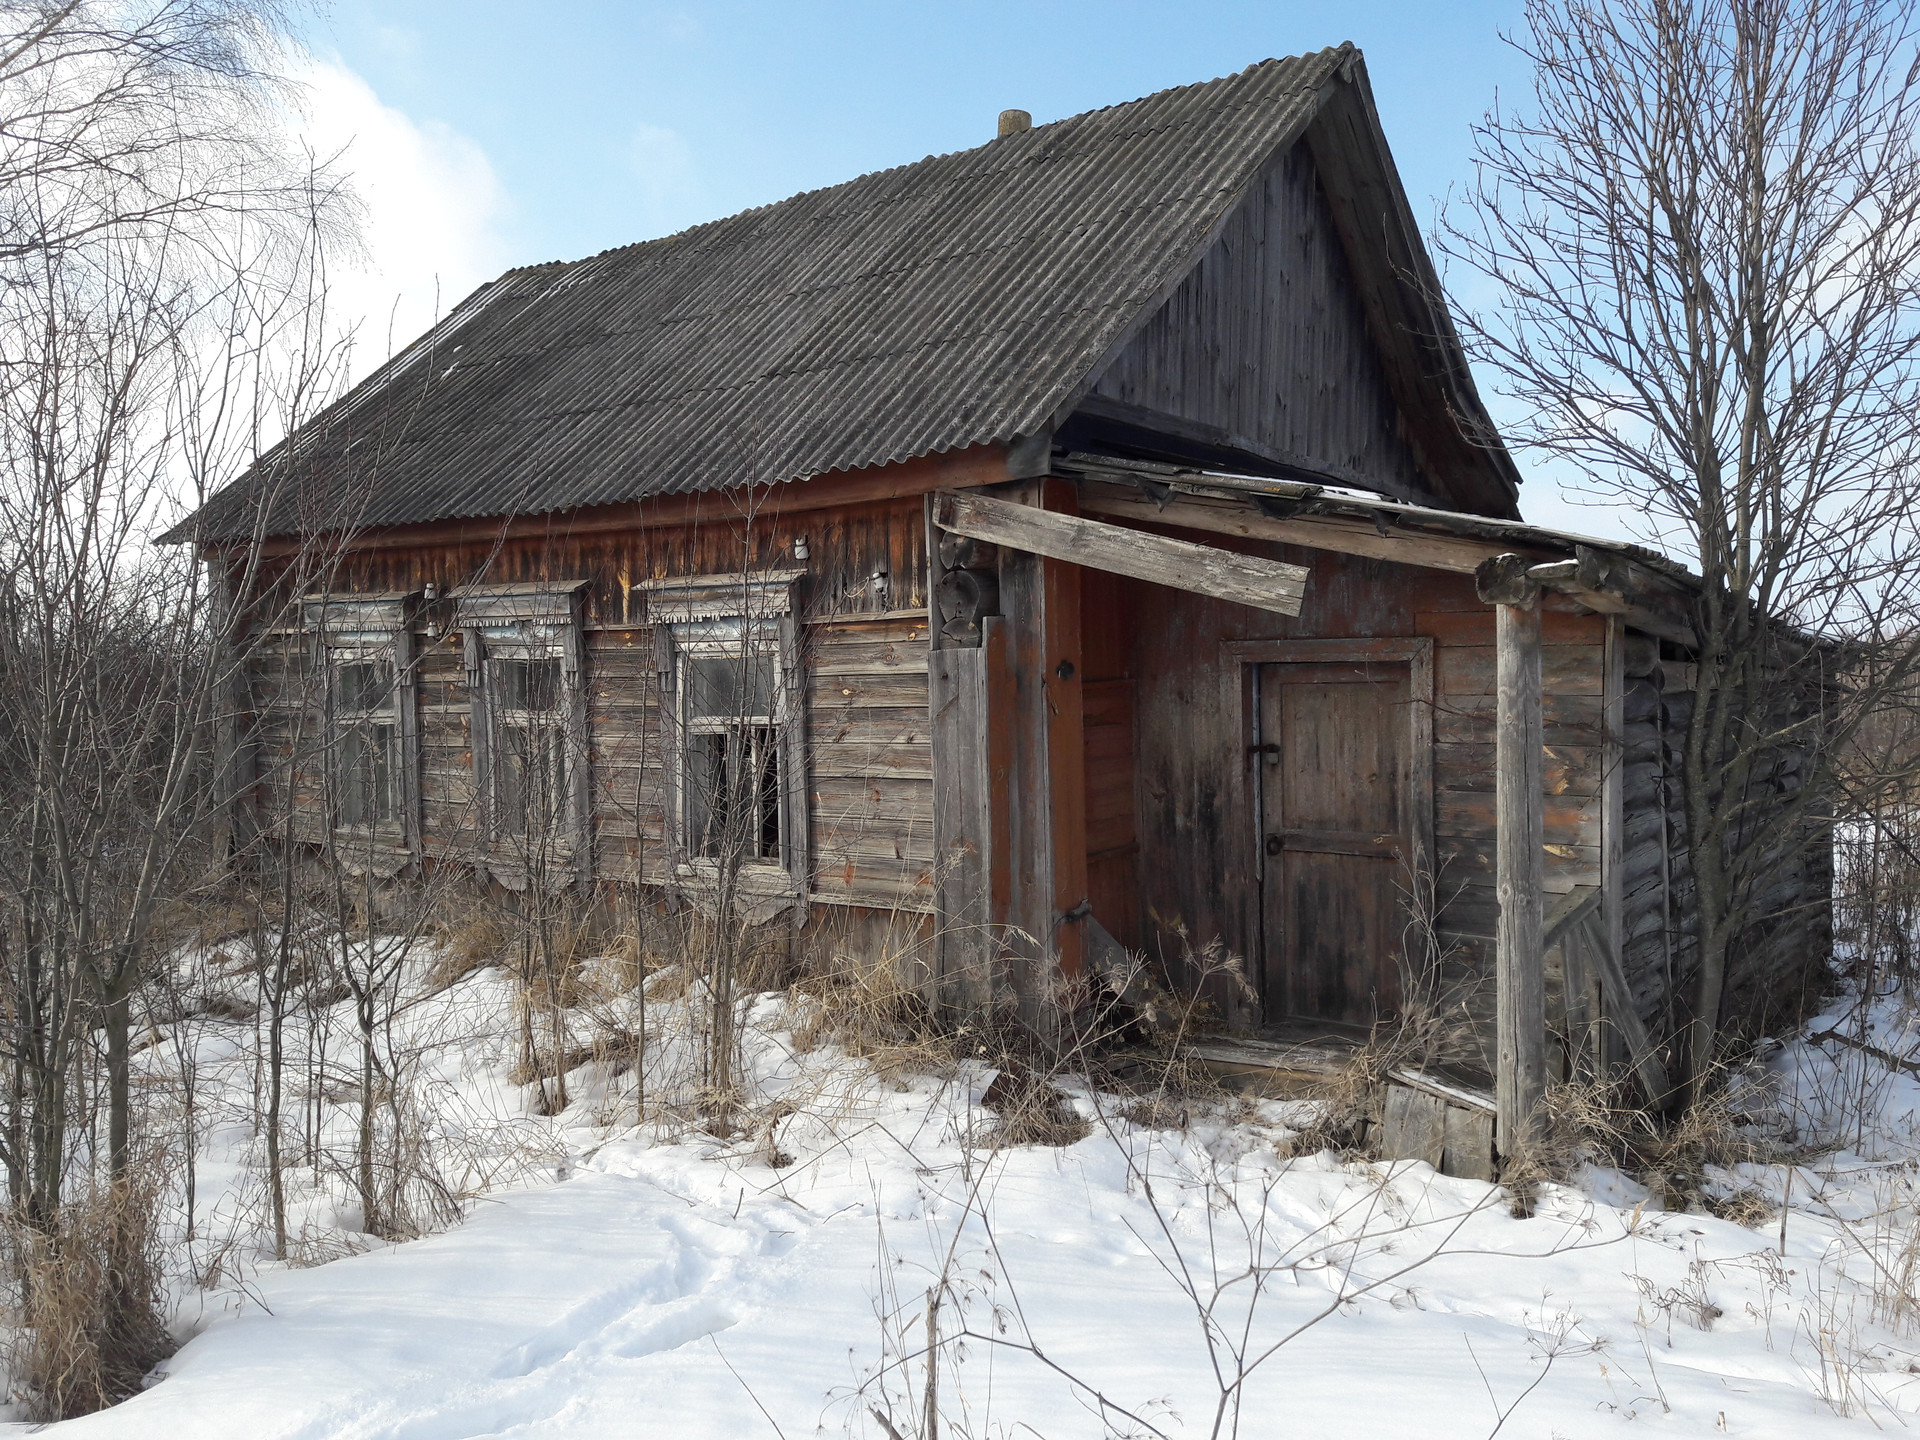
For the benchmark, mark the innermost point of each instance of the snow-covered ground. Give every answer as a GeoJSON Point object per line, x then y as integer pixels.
{"type": "Point", "coordinates": [637, 1282]}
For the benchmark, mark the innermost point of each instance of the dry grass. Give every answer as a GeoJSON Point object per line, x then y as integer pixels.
{"type": "Point", "coordinates": [93, 1318]}
{"type": "Point", "coordinates": [1030, 1110]}
{"type": "Point", "coordinates": [1746, 1207]}
{"type": "Point", "coordinates": [1346, 1109]}
{"type": "Point", "coordinates": [866, 1008]}
{"type": "Point", "coordinates": [616, 1048]}
{"type": "Point", "coordinates": [466, 943]}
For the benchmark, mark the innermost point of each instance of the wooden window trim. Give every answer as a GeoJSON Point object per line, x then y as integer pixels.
{"type": "Point", "coordinates": [765, 606]}
{"type": "Point", "coordinates": [527, 621]}
{"type": "Point", "coordinates": [351, 628]}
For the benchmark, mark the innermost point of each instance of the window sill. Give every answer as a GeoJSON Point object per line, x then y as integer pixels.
{"type": "Point", "coordinates": [761, 892]}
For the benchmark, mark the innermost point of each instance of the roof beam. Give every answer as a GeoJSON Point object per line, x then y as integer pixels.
{"type": "Point", "coordinates": [1230, 448]}
{"type": "Point", "coordinates": [1605, 584]}
{"type": "Point", "coordinates": [1181, 564]}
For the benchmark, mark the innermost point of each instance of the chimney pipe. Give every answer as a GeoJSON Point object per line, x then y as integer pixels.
{"type": "Point", "coordinates": [1012, 122]}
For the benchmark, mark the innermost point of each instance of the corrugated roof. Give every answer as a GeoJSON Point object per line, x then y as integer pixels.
{"type": "Point", "coordinates": [952, 302]}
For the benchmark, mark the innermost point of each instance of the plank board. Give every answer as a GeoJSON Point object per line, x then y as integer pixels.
{"type": "Point", "coordinates": [1181, 564]}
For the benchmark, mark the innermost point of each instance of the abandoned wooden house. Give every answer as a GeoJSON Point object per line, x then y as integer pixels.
{"type": "Point", "coordinates": [1088, 540]}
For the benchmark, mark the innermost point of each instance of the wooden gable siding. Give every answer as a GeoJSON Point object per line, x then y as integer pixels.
{"type": "Point", "coordinates": [1197, 848]}
{"type": "Point", "coordinates": [863, 652]}
{"type": "Point", "coordinates": [1267, 339]}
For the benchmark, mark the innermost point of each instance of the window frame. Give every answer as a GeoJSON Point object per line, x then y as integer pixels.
{"type": "Point", "coordinates": [550, 723]}
{"type": "Point", "coordinates": [505, 624]}
{"type": "Point", "coordinates": [349, 630]}
{"type": "Point", "coordinates": [737, 617]}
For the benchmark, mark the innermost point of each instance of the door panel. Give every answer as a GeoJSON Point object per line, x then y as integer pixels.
{"type": "Point", "coordinates": [1334, 811]}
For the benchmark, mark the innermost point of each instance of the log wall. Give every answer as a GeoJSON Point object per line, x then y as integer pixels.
{"type": "Point", "coordinates": [862, 649]}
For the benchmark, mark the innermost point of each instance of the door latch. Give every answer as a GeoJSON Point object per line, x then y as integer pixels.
{"type": "Point", "coordinates": [1274, 845]}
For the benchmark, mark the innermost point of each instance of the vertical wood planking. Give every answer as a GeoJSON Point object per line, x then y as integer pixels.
{"type": "Point", "coordinates": [1063, 670]}
{"type": "Point", "coordinates": [1045, 778]}
{"type": "Point", "coordinates": [958, 698]}
{"type": "Point", "coordinates": [1268, 338]}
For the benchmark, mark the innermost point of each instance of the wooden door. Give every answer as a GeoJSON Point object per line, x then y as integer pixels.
{"type": "Point", "coordinates": [1332, 754]}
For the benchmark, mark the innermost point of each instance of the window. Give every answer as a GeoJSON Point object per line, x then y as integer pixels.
{"type": "Point", "coordinates": [528, 727]}
{"type": "Point", "coordinates": [731, 757]}
{"type": "Point", "coordinates": [366, 741]}
{"type": "Point", "coordinates": [363, 657]}
{"type": "Point", "coordinates": [725, 649]}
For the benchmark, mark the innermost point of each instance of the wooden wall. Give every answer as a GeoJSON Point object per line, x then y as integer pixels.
{"type": "Point", "coordinates": [1656, 901]}
{"type": "Point", "coordinates": [1267, 339]}
{"type": "Point", "coordinates": [1161, 752]}
{"type": "Point", "coordinates": [1196, 870]}
{"type": "Point", "coordinates": [863, 650]}
{"type": "Point", "coordinates": [1779, 967]}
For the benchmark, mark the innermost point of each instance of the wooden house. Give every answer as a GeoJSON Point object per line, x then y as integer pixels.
{"type": "Point", "coordinates": [1106, 547]}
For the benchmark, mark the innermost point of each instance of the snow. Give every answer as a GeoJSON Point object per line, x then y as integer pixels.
{"type": "Point", "coordinates": [620, 1280]}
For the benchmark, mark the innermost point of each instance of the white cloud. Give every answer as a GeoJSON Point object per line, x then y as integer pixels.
{"type": "Point", "coordinates": [432, 207]}
{"type": "Point", "coordinates": [671, 194]}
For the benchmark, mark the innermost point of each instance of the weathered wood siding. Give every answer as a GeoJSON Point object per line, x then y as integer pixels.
{"type": "Point", "coordinates": [1191, 748]}
{"type": "Point", "coordinates": [1267, 339]}
{"type": "Point", "coordinates": [871, 758]}
{"type": "Point", "coordinates": [1778, 965]}
{"type": "Point", "coordinates": [1650, 900]}
{"type": "Point", "coordinates": [863, 652]}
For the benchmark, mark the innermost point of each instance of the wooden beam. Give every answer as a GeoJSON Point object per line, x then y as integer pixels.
{"type": "Point", "coordinates": [1614, 585]}
{"type": "Point", "coordinates": [1521, 1061]}
{"type": "Point", "coordinates": [1287, 464]}
{"type": "Point", "coordinates": [966, 947]}
{"type": "Point", "coordinates": [1042, 783]}
{"type": "Point", "coordinates": [1620, 587]}
{"type": "Point", "coordinates": [1181, 564]}
{"type": "Point", "coordinates": [1642, 1054]}
{"type": "Point", "coordinates": [1340, 534]}
{"type": "Point", "coordinates": [1613, 792]}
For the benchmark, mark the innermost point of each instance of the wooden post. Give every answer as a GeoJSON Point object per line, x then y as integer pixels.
{"type": "Point", "coordinates": [967, 909]}
{"type": "Point", "coordinates": [1044, 776]}
{"type": "Point", "coordinates": [1613, 825]}
{"type": "Point", "coordinates": [1519, 871]}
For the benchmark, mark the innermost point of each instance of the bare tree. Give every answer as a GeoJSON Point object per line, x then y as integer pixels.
{"type": "Point", "coordinates": [1704, 240]}
{"type": "Point", "coordinates": [120, 117]}
{"type": "Point", "coordinates": [162, 284]}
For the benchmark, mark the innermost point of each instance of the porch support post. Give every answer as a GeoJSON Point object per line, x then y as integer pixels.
{"type": "Point", "coordinates": [970, 739]}
{"type": "Point", "coordinates": [1520, 1082]}
{"type": "Point", "coordinates": [1038, 691]}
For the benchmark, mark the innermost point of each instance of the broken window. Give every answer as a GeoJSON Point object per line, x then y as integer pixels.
{"type": "Point", "coordinates": [731, 771]}
{"type": "Point", "coordinates": [726, 648]}
{"type": "Point", "coordinates": [363, 649]}
{"type": "Point", "coordinates": [530, 724]}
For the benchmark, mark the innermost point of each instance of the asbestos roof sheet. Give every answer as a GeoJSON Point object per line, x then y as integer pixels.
{"type": "Point", "coordinates": [956, 301]}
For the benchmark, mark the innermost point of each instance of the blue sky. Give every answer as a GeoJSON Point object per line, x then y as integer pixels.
{"type": "Point", "coordinates": [487, 134]}
{"type": "Point", "coordinates": [609, 123]}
